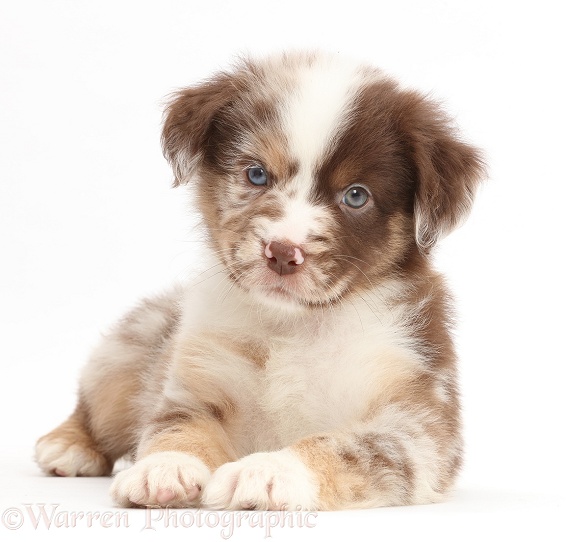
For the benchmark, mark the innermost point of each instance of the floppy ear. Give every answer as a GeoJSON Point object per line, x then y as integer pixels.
{"type": "Point", "coordinates": [448, 173]}
{"type": "Point", "coordinates": [188, 121]}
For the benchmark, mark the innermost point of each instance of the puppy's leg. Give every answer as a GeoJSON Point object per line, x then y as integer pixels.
{"type": "Point", "coordinates": [105, 424]}
{"type": "Point", "coordinates": [70, 450]}
{"type": "Point", "coordinates": [194, 427]}
{"type": "Point", "coordinates": [407, 453]}
{"type": "Point", "coordinates": [174, 462]}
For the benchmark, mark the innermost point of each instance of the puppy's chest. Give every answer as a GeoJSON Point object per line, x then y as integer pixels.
{"type": "Point", "coordinates": [291, 378]}
{"type": "Point", "coordinates": [320, 383]}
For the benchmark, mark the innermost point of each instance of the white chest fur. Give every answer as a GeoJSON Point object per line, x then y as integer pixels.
{"type": "Point", "coordinates": [326, 381]}
{"type": "Point", "coordinates": [323, 369]}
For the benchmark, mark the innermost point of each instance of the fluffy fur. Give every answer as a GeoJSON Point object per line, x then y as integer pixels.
{"type": "Point", "coordinates": [312, 365]}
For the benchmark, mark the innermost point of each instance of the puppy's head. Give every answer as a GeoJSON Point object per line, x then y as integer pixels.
{"type": "Point", "coordinates": [317, 178]}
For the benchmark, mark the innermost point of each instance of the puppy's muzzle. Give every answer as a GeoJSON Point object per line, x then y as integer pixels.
{"type": "Point", "coordinates": [283, 258]}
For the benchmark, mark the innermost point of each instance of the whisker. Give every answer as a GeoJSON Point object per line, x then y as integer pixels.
{"type": "Point", "coordinates": [375, 290]}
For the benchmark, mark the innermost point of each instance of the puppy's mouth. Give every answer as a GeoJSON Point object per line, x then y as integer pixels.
{"type": "Point", "coordinates": [297, 290]}
{"type": "Point", "coordinates": [267, 286]}
{"type": "Point", "coordinates": [283, 292]}
{"type": "Point", "coordinates": [295, 296]}
{"type": "Point", "coordinates": [286, 288]}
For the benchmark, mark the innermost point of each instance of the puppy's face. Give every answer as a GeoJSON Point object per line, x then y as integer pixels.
{"type": "Point", "coordinates": [317, 179]}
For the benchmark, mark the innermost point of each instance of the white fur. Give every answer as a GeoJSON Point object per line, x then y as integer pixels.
{"type": "Point", "coordinates": [59, 458]}
{"type": "Point", "coordinates": [163, 478]}
{"type": "Point", "coordinates": [325, 366]}
{"type": "Point", "coordinates": [316, 108]}
{"type": "Point", "coordinates": [266, 481]}
{"type": "Point", "coordinates": [300, 218]}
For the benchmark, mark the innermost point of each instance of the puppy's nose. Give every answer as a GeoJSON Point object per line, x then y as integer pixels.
{"type": "Point", "coordinates": [283, 258]}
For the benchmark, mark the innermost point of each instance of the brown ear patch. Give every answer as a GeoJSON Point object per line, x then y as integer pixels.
{"type": "Point", "coordinates": [448, 170]}
{"type": "Point", "coordinates": [188, 120]}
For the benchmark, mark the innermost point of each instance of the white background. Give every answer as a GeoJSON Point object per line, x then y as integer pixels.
{"type": "Point", "coordinates": [89, 223]}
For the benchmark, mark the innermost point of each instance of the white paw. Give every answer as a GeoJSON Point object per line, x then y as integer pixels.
{"type": "Point", "coordinates": [263, 481]}
{"type": "Point", "coordinates": [172, 479]}
{"type": "Point", "coordinates": [56, 456]}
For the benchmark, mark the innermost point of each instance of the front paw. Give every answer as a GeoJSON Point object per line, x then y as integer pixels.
{"type": "Point", "coordinates": [263, 481]}
{"type": "Point", "coordinates": [172, 479]}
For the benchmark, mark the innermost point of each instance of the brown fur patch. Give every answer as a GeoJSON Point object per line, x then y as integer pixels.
{"type": "Point", "coordinates": [254, 350]}
{"type": "Point", "coordinates": [269, 149]}
{"type": "Point", "coordinates": [111, 416]}
{"type": "Point", "coordinates": [247, 348]}
{"type": "Point", "coordinates": [354, 469]}
{"type": "Point", "coordinates": [448, 170]}
{"type": "Point", "coordinates": [189, 121]}
{"type": "Point", "coordinates": [338, 481]}
{"type": "Point", "coordinates": [74, 432]}
{"type": "Point", "coordinates": [201, 437]}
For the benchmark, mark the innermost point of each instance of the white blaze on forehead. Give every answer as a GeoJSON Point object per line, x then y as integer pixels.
{"type": "Point", "coordinates": [319, 101]}
{"type": "Point", "coordinates": [317, 104]}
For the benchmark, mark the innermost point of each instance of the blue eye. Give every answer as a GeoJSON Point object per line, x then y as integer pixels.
{"type": "Point", "coordinates": [355, 197]}
{"type": "Point", "coordinates": [257, 176]}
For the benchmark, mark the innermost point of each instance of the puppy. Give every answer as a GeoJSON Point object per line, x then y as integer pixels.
{"type": "Point", "coordinates": [311, 366]}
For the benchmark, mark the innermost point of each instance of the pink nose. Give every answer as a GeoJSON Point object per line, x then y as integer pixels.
{"type": "Point", "coordinates": [283, 258]}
